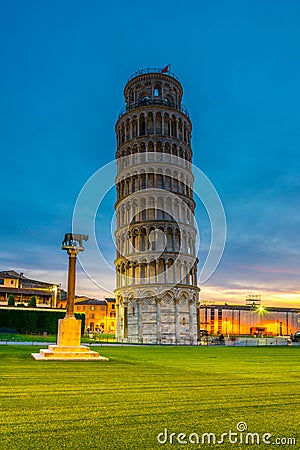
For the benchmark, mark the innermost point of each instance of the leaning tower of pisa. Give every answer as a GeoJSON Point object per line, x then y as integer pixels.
{"type": "Point", "coordinates": [156, 262]}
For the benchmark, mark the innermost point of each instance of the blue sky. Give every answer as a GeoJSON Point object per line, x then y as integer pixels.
{"type": "Point", "coordinates": [63, 69]}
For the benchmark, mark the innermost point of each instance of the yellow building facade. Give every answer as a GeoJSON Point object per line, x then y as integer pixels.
{"type": "Point", "coordinates": [100, 315]}
{"type": "Point", "coordinates": [23, 288]}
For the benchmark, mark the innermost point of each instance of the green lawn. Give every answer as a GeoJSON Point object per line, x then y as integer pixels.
{"type": "Point", "coordinates": [35, 338]}
{"type": "Point", "coordinates": [126, 402]}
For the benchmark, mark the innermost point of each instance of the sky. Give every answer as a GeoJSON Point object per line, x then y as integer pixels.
{"type": "Point", "coordinates": [64, 65]}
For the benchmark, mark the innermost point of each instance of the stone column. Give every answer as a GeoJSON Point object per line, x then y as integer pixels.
{"type": "Point", "coordinates": [72, 252]}
{"type": "Point", "coordinates": [158, 322]}
{"type": "Point", "coordinates": [140, 320]}
{"type": "Point", "coordinates": [177, 332]}
{"type": "Point", "coordinates": [118, 327]}
{"type": "Point", "coordinates": [192, 307]}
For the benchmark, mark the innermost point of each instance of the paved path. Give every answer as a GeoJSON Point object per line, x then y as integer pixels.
{"type": "Point", "coordinates": [240, 342]}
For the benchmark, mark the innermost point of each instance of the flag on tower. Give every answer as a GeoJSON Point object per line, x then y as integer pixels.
{"type": "Point", "coordinates": [165, 69]}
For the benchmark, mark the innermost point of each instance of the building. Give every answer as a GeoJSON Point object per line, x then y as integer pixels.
{"type": "Point", "coordinates": [23, 288]}
{"type": "Point", "coordinates": [62, 301]}
{"type": "Point", "coordinates": [156, 264]}
{"type": "Point", "coordinates": [100, 315]}
{"type": "Point", "coordinates": [249, 320]}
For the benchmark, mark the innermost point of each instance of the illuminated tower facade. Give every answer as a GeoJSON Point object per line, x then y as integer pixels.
{"type": "Point", "coordinates": [156, 262]}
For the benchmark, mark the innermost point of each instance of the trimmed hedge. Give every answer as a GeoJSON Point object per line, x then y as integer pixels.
{"type": "Point", "coordinates": [37, 321]}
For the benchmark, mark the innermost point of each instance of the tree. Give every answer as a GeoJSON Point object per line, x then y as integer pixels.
{"type": "Point", "coordinates": [32, 301]}
{"type": "Point", "coordinates": [11, 300]}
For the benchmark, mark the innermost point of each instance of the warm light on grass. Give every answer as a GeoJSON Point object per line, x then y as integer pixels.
{"type": "Point", "coordinates": [126, 402]}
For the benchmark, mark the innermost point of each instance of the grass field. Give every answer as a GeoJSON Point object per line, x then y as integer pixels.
{"type": "Point", "coordinates": [126, 402]}
{"type": "Point", "coordinates": [35, 338]}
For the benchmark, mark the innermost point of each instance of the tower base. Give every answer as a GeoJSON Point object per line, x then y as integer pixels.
{"type": "Point", "coordinates": [68, 346]}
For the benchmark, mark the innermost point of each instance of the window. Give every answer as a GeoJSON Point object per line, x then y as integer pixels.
{"type": "Point", "coordinates": [156, 93]}
{"type": "Point", "coordinates": [145, 100]}
{"type": "Point", "coordinates": [92, 316]}
{"type": "Point", "coordinates": [1, 281]}
{"type": "Point", "coordinates": [113, 306]}
{"type": "Point", "coordinates": [11, 281]}
{"type": "Point", "coordinates": [92, 308]}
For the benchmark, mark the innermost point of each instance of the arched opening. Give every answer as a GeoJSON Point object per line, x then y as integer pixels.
{"type": "Point", "coordinates": [135, 155]}
{"type": "Point", "coordinates": [160, 204]}
{"type": "Point", "coordinates": [175, 181]}
{"type": "Point", "coordinates": [170, 243]}
{"type": "Point", "coordinates": [142, 153]}
{"type": "Point", "coordinates": [180, 129]}
{"type": "Point", "coordinates": [134, 126]}
{"type": "Point", "coordinates": [173, 127]}
{"type": "Point", "coordinates": [143, 272]}
{"type": "Point", "coordinates": [143, 213]}
{"type": "Point", "coordinates": [150, 180]}
{"type": "Point", "coordinates": [170, 272]}
{"type": "Point", "coordinates": [177, 240]}
{"type": "Point", "coordinates": [167, 152]}
{"type": "Point", "coordinates": [159, 151]}
{"type": "Point", "coordinates": [158, 123]}
{"type": "Point", "coordinates": [145, 100]}
{"type": "Point", "coordinates": [170, 100]}
{"type": "Point", "coordinates": [127, 130]}
{"type": "Point", "coordinates": [135, 241]}
{"type": "Point", "coordinates": [143, 240]}
{"type": "Point", "coordinates": [153, 270]}
{"type": "Point", "coordinates": [161, 271]}
{"type": "Point", "coordinates": [150, 151]}
{"type": "Point", "coordinates": [166, 125]}
{"type": "Point", "coordinates": [142, 125]}
{"type": "Point", "coordinates": [150, 123]}
{"type": "Point", "coordinates": [122, 133]}
{"type": "Point", "coordinates": [159, 181]}
{"type": "Point", "coordinates": [151, 203]}
{"type": "Point", "coordinates": [157, 90]}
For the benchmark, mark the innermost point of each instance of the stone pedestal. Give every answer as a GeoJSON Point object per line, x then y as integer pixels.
{"type": "Point", "coordinates": [68, 346]}
{"type": "Point", "coordinates": [67, 353]}
{"type": "Point", "coordinates": [69, 332]}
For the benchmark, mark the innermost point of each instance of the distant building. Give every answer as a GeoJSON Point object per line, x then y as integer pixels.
{"type": "Point", "coordinates": [100, 315]}
{"type": "Point", "coordinates": [62, 301]}
{"type": "Point", "coordinates": [249, 320]}
{"type": "Point", "coordinates": [23, 288]}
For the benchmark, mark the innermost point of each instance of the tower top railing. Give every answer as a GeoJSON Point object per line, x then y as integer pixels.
{"type": "Point", "coordinates": [153, 70]}
{"type": "Point", "coordinates": [154, 102]}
